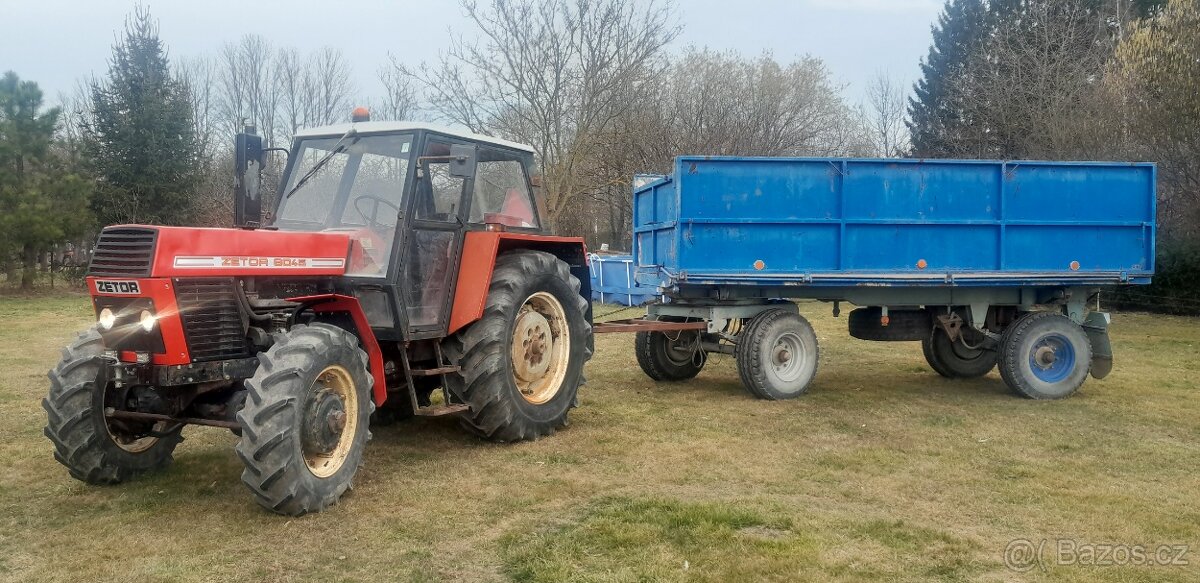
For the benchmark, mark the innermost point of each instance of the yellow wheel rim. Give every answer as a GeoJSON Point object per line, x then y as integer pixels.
{"type": "Point", "coordinates": [541, 348]}
{"type": "Point", "coordinates": [138, 445]}
{"type": "Point", "coordinates": [329, 422]}
{"type": "Point", "coordinates": [133, 444]}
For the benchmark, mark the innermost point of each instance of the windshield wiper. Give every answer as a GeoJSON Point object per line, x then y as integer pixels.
{"type": "Point", "coordinates": [338, 148]}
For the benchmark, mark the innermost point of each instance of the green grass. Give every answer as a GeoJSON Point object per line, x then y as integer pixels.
{"type": "Point", "coordinates": [885, 471]}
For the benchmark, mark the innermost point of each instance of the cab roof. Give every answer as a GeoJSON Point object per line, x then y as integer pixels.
{"type": "Point", "coordinates": [382, 127]}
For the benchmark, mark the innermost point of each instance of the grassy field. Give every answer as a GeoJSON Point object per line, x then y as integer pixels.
{"type": "Point", "coordinates": [884, 471]}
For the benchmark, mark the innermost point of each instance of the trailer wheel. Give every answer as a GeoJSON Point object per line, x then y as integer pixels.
{"type": "Point", "coordinates": [95, 449]}
{"type": "Point", "coordinates": [777, 355]}
{"type": "Point", "coordinates": [954, 359]}
{"type": "Point", "coordinates": [669, 356]}
{"type": "Point", "coordinates": [521, 364]}
{"type": "Point", "coordinates": [305, 422]}
{"type": "Point", "coordinates": [1045, 356]}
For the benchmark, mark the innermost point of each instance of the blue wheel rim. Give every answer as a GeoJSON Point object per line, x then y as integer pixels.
{"type": "Point", "coordinates": [1052, 358]}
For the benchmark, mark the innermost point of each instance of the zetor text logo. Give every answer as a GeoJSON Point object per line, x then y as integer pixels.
{"type": "Point", "coordinates": [118, 287]}
{"type": "Point", "coordinates": [258, 262]}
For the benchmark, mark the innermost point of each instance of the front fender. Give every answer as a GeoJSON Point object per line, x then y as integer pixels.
{"type": "Point", "coordinates": [339, 304]}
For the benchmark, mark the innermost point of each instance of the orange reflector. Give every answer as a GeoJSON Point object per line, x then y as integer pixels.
{"type": "Point", "coordinates": [1074, 266]}
{"type": "Point", "coordinates": [759, 265]}
{"type": "Point", "coordinates": [360, 114]}
{"type": "Point", "coordinates": [922, 264]}
{"type": "Point", "coordinates": [885, 320]}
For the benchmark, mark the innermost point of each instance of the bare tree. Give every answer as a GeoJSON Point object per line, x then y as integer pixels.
{"type": "Point", "coordinates": [289, 80]}
{"type": "Point", "coordinates": [399, 98]}
{"type": "Point", "coordinates": [199, 74]}
{"type": "Point", "coordinates": [1034, 88]}
{"type": "Point", "coordinates": [884, 116]}
{"type": "Point", "coordinates": [327, 87]}
{"type": "Point", "coordinates": [248, 91]}
{"type": "Point", "coordinates": [552, 73]}
{"type": "Point", "coordinates": [706, 102]}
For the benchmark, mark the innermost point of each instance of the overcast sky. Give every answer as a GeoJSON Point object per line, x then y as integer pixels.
{"type": "Point", "coordinates": [56, 42]}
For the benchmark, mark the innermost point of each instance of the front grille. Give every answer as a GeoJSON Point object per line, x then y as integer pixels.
{"type": "Point", "coordinates": [123, 251]}
{"type": "Point", "coordinates": [212, 320]}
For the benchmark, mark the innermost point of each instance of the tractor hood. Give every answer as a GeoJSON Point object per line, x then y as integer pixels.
{"type": "Point", "coordinates": [150, 251]}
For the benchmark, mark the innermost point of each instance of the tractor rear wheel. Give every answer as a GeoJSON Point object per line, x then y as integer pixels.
{"type": "Point", "coordinates": [669, 356]}
{"type": "Point", "coordinates": [305, 422]}
{"type": "Point", "coordinates": [95, 449]}
{"type": "Point", "coordinates": [521, 364]}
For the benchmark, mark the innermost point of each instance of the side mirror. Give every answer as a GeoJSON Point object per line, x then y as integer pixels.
{"type": "Point", "coordinates": [462, 161]}
{"type": "Point", "coordinates": [247, 178]}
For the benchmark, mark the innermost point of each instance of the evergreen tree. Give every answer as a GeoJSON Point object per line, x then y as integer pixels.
{"type": "Point", "coordinates": [934, 116]}
{"type": "Point", "coordinates": [43, 202]}
{"type": "Point", "coordinates": [140, 137]}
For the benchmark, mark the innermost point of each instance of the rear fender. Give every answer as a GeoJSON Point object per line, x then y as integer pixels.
{"type": "Point", "coordinates": [480, 249]}
{"type": "Point", "coordinates": [331, 304]}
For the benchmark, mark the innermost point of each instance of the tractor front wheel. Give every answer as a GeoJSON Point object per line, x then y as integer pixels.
{"type": "Point", "coordinates": [521, 364]}
{"type": "Point", "coordinates": [305, 422]}
{"type": "Point", "coordinates": [94, 448]}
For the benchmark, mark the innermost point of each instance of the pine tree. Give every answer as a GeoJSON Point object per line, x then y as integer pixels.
{"type": "Point", "coordinates": [43, 202]}
{"type": "Point", "coordinates": [934, 117]}
{"type": "Point", "coordinates": [140, 136]}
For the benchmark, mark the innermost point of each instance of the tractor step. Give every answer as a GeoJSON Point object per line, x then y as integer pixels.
{"type": "Point", "coordinates": [440, 410]}
{"type": "Point", "coordinates": [433, 372]}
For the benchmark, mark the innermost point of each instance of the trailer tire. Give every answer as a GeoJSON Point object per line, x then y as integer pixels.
{"type": "Point", "coordinates": [903, 325]}
{"type": "Point", "coordinates": [296, 461]}
{"type": "Point", "coordinates": [532, 293]}
{"type": "Point", "coordinates": [664, 358]}
{"type": "Point", "coordinates": [83, 439]}
{"type": "Point", "coordinates": [1045, 355]}
{"type": "Point", "coordinates": [953, 359]}
{"type": "Point", "coordinates": [777, 355]}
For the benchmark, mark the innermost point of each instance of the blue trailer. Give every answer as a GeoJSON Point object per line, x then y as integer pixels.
{"type": "Point", "coordinates": [986, 263]}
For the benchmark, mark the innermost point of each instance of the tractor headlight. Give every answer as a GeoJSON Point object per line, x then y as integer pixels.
{"type": "Point", "coordinates": [148, 320]}
{"type": "Point", "coordinates": [107, 318]}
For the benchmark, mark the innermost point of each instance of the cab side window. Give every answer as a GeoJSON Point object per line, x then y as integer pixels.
{"type": "Point", "coordinates": [501, 192]}
{"type": "Point", "coordinates": [438, 193]}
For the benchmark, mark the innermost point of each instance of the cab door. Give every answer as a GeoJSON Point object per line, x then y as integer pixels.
{"type": "Point", "coordinates": [433, 246]}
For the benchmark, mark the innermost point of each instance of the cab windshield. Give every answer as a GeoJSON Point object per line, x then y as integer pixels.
{"type": "Point", "coordinates": [360, 188]}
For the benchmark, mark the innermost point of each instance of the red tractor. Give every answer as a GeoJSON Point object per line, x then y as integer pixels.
{"type": "Point", "coordinates": [400, 261]}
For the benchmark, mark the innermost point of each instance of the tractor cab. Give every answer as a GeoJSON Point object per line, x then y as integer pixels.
{"type": "Point", "coordinates": [407, 194]}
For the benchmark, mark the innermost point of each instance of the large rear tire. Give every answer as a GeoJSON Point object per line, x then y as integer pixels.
{"type": "Point", "coordinates": [521, 364]}
{"type": "Point", "coordinates": [95, 449]}
{"type": "Point", "coordinates": [777, 355]}
{"type": "Point", "coordinates": [669, 356]}
{"type": "Point", "coordinates": [305, 422]}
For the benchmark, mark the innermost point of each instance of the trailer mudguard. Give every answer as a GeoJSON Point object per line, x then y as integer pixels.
{"type": "Point", "coordinates": [339, 304]}
{"type": "Point", "coordinates": [1096, 326]}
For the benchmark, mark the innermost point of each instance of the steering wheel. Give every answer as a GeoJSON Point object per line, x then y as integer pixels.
{"type": "Point", "coordinates": [372, 222]}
